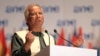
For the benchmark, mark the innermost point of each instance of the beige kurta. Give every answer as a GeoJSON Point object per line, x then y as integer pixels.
{"type": "Point", "coordinates": [35, 47]}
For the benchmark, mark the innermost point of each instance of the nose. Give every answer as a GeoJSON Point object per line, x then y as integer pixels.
{"type": "Point", "coordinates": [37, 15]}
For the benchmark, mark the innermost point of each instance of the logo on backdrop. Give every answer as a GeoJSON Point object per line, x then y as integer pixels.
{"type": "Point", "coordinates": [21, 8]}
{"type": "Point", "coordinates": [95, 22]}
{"type": "Point", "coordinates": [83, 9]}
{"type": "Point", "coordinates": [66, 22]}
{"type": "Point", "coordinates": [3, 22]}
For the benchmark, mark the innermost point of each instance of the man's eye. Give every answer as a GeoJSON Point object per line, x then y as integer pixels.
{"type": "Point", "coordinates": [31, 14]}
{"type": "Point", "coordinates": [40, 12]}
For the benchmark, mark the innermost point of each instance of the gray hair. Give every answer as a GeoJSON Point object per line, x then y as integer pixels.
{"type": "Point", "coordinates": [26, 12]}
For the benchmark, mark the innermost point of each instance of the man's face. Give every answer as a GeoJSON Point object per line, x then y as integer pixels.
{"type": "Point", "coordinates": [36, 17]}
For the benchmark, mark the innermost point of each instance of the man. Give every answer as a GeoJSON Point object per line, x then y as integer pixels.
{"type": "Point", "coordinates": [28, 42]}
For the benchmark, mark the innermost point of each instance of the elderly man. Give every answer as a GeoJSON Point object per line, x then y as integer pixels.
{"type": "Point", "coordinates": [28, 42]}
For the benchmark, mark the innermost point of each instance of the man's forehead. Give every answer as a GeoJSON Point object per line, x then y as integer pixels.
{"type": "Point", "coordinates": [33, 8]}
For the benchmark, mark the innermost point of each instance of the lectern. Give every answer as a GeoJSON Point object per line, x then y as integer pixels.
{"type": "Point", "coordinates": [66, 51]}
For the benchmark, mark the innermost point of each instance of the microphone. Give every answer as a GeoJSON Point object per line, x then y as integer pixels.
{"type": "Point", "coordinates": [63, 38]}
{"type": "Point", "coordinates": [48, 36]}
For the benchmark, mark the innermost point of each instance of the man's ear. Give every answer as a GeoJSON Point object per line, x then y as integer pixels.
{"type": "Point", "coordinates": [26, 21]}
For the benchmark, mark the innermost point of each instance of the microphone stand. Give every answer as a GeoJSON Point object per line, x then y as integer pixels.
{"type": "Point", "coordinates": [63, 38]}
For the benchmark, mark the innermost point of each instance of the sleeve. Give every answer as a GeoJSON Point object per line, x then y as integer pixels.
{"type": "Point", "coordinates": [17, 47]}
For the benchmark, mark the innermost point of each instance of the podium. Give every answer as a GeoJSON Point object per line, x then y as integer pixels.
{"type": "Point", "coordinates": [66, 51]}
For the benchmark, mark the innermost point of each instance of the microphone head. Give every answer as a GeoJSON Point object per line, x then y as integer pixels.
{"type": "Point", "coordinates": [46, 31]}
{"type": "Point", "coordinates": [55, 30]}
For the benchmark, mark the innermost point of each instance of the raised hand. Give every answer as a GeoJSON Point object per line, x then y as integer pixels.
{"type": "Point", "coordinates": [29, 39]}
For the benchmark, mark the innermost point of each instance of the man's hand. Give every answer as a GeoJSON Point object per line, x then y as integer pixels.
{"type": "Point", "coordinates": [29, 39]}
{"type": "Point", "coordinates": [78, 42]}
